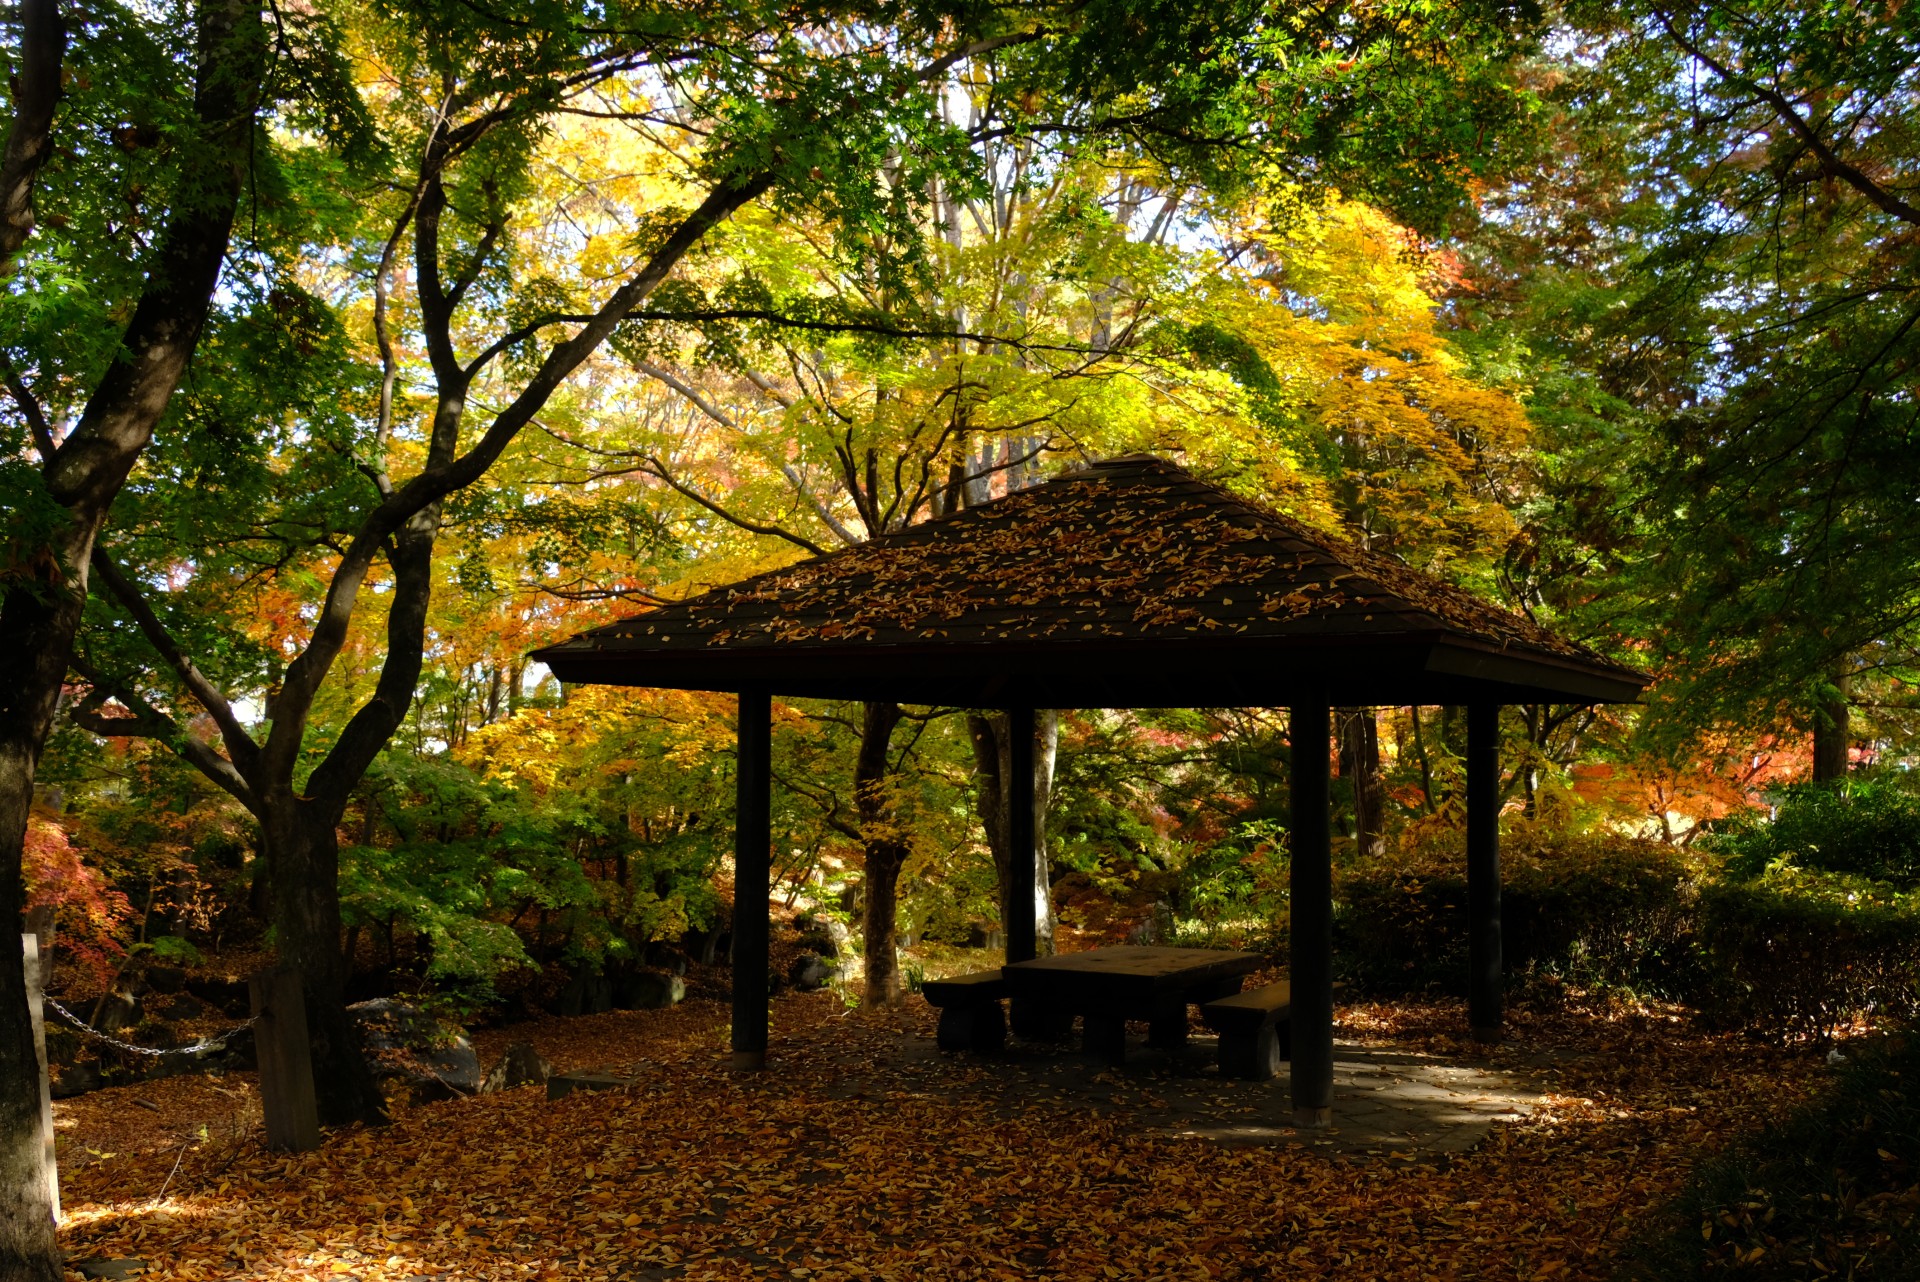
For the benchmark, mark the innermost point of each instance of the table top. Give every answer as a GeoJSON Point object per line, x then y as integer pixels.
{"type": "Point", "coordinates": [1127, 970]}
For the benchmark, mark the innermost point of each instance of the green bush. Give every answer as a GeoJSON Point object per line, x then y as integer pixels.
{"type": "Point", "coordinates": [1832, 1193]}
{"type": "Point", "coordinates": [1594, 910]}
{"type": "Point", "coordinates": [1799, 954]}
{"type": "Point", "coordinates": [1865, 827]}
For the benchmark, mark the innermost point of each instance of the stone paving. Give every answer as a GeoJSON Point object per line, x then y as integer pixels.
{"type": "Point", "coordinates": [1387, 1100]}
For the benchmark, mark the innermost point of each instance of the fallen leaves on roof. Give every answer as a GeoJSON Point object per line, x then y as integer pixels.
{"type": "Point", "coordinates": [1136, 548]}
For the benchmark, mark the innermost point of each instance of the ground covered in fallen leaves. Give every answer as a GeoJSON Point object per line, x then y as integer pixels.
{"type": "Point", "coordinates": [827, 1167]}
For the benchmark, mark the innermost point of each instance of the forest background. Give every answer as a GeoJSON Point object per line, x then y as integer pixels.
{"type": "Point", "coordinates": [352, 353]}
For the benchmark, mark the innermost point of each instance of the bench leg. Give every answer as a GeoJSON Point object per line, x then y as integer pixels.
{"type": "Point", "coordinates": [1168, 1030]}
{"type": "Point", "coordinates": [989, 1033]}
{"type": "Point", "coordinates": [1105, 1037]}
{"type": "Point", "coordinates": [977, 1026]}
{"type": "Point", "coordinates": [1253, 1057]}
{"type": "Point", "coordinates": [1038, 1023]}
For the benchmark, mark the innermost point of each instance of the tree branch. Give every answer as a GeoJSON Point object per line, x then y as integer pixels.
{"type": "Point", "coordinates": [239, 744]}
{"type": "Point", "coordinates": [35, 416]}
{"type": "Point", "coordinates": [148, 722]}
{"type": "Point", "coordinates": [1830, 161]}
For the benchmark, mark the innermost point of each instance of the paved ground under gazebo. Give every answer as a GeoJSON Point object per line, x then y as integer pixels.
{"type": "Point", "coordinates": [1388, 1098]}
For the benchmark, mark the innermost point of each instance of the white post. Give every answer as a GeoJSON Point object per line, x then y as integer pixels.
{"type": "Point", "coordinates": [36, 1005]}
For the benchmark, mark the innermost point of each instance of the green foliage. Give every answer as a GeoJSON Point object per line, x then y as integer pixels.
{"type": "Point", "coordinates": [1802, 954]}
{"type": "Point", "coordinates": [1234, 893]}
{"type": "Point", "coordinates": [1594, 910]}
{"type": "Point", "coordinates": [1865, 826]}
{"type": "Point", "coordinates": [1827, 1194]}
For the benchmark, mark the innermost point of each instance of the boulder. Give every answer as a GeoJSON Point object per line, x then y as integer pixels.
{"type": "Point", "coordinates": [810, 974]}
{"type": "Point", "coordinates": [77, 1079]}
{"type": "Point", "coordinates": [520, 1066]}
{"type": "Point", "coordinates": [162, 978]}
{"type": "Point", "coordinates": [177, 1007]}
{"type": "Point", "coordinates": [228, 996]}
{"type": "Point", "coordinates": [404, 1044]}
{"type": "Point", "coordinates": [118, 1011]}
{"type": "Point", "coordinates": [649, 990]}
{"type": "Point", "coordinates": [587, 993]}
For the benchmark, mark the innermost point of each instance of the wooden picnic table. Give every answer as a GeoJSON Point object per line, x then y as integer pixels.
{"type": "Point", "coordinates": [1107, 987]}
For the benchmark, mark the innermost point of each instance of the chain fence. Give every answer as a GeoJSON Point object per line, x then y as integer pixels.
{"type": "Point", "coordinates": [209, 1045]}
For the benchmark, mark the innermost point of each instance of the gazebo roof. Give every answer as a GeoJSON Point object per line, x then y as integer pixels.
{"type": "Point", "coordinates": [1130, 583]}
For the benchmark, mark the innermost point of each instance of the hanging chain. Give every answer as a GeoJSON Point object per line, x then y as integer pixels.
{"type": "Point", "coordinates": [205, 1046]}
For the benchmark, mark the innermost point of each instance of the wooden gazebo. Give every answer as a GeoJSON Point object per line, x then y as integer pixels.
{"type": "Point", "coordinates": [1128, 584]}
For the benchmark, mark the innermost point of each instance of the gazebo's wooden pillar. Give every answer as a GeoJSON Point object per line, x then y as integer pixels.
{"type": "Point", "coordinates": [1484, 980]}
{"type": "Point", "coordinates": [1310, 929]}
{"type": "Point", "coordinates": [1022, 930]}
{"type": "Point", "coordinates": [752, 877]}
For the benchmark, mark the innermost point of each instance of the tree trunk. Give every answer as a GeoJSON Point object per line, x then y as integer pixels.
{"type": "Point", "coordinates": [28, 1250]}
{"type": "Point", "coordinates": [1360, 769]}
{"type": "Point", "coordinates": [992, 759]}
{"type": "Point", "coordinates": [886, 853]}
{"type": "Point", "coordinates": [304, 852]}
{"type": "Point", "coordinates": [1831, 739]}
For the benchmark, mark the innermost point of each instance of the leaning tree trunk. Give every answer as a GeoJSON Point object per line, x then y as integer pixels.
{"type": "Point", "coordinates": [303, 851]}
{"type": "Point", "coordinates": [36, 638]}
{"type": "Point", "coordinates": [1360, 770]}
{"type": "Point", "coordinates": [993, 760]}
{"type": "Point", "coordinates": [1831, 737]}
{"type": "Point", "coordinates": [886, 853]}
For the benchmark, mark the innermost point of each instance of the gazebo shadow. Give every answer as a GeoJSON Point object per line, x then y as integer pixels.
{"type": "Point", "coordinates": [1388, 1100]}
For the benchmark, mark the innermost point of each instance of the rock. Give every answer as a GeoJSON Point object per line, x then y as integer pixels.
{"type": "Point", "coordinates": [228, 996]}
{"type": "Point", "coordinates": [405, 1044]}
{"type": "Point", "coordinates": [841, 936]}
{"type": "Point", "coordinates": [649, 990]}
{"type": "Point", "coordinates": [77, 1079]}
{"type": "Point", "coordinates": [587, 993]}
{"type": "Point", "coordinates": [819, 943]}
{"type": "Point", "coordinates": [179, 1006]}
{"type": "Point", "coordinates": [117, 1011]}
{"type": "Point", "coordinates": [664, 956]}
{"type": "Point", "coordinates": [99, 1267]}
{"type": "Point", "coordinates": [564, 1084]}
{"type": "Point", "coordinates": [810, 974]}
{"type": "Point", "coordinates": [520, 1066]}
{"type": "Point", "coordinates": [166, 979]}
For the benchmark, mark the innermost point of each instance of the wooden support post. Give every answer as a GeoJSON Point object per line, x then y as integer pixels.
{"type": "Point", "coordinates": [286, 1060]}
{"type": "Point", "coordinates": [36, 1007]}
{"type": "Point", "coordinates": [752, 878]}
{"type": "Point", "coordinates": [1484, 979]}
{"type": "Point", "coordinates": [1310, 931]}
{"type": "Point", "coordinates": [1022, 929]}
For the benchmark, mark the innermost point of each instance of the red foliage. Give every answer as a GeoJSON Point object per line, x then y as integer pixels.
{"type": "Point", "coordinates": [88, 913]}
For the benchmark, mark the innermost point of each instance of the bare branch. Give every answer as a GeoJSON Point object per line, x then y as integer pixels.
{"type": "Point", "coordinates": [149, 722]}
{"type": "Point", "coordinates": [35, 416]}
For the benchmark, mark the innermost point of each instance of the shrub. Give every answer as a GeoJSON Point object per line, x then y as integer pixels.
{"type": "Point", "coordinates": [1829, 1194]}
{"type": "Point", "coordinates": [1596, 910]}
{"type": "Point", "coordinates": [1866, 827]}
{"type": "Point", "coordinates": [1797, 953]}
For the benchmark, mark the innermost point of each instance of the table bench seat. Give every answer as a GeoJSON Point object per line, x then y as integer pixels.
{"type": "Point", "coordinates": [1254, 1031]}
{"type": "Point", "coordinates": [971, 1017]}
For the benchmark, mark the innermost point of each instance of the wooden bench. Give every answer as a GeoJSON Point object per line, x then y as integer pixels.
{"type": "Point", "coordinates": [971, 1017]}
{"type": "Point", "coordinates": [1253, 1031]}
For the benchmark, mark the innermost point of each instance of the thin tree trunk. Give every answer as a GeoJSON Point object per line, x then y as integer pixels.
{"type": "Point", "coordinates": [1360, 769]}
{"type": "Point", "coordinates": [992, 759]}
{"type": "Point", "coordinates": [1831, 738]}
{"type": "Point", "coordinates": [885, 852]}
